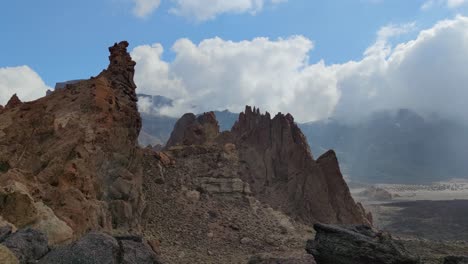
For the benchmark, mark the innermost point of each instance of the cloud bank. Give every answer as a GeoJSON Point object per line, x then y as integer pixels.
{"type": "Point", "coordinates": [426, 74]}
{"type": "Point", "coordinates": [23, 81]}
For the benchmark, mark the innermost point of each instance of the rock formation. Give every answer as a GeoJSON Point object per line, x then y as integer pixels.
{"type": "Point", "coordinates": [275, 160]}
{"type": "Point", "coordinates": [356, 244]}
{"type": "Point", "coordinates": [192, 130]}
{"type": "Point", "coordinates": [75, 151]}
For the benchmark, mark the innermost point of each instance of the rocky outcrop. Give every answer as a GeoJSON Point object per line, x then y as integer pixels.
{"type": "Point", "coordinates": [13, 102]}
{"type": "Point", "coordinates": [98, 248]}
{"type": "Point", "coordinates": [278, 165]}
{"type": "Point", "coordinates": [27, 245]}
{"type": "Point", "coordinates": [192, 130]}
{"type": "Point", "coordinates": [356, 244]}
{"type": "Point", "coordinates": [75, 151]}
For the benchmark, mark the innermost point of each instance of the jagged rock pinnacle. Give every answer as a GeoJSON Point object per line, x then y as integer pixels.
{"type": "Point", "coordinates": [13, 102]}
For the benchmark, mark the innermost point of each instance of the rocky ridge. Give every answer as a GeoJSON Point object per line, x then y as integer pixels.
{"type": "Point", "coordinates": [72, 157]}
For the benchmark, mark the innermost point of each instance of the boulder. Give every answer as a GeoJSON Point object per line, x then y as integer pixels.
{"type": "Point", "coordinates": [7, 257]}
{"type": "Point", "coordinates": [16, 205]}
{"type": "Point", "coordinates": [356, 244]}
{"type": "Point", "coordinates": [193, 130]}
{"type": "Point", "coordinates": [92, 248]}
{"type": "Point", "coordinates": [28, 245]}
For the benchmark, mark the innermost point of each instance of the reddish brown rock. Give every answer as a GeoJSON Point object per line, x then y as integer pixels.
{"type": "Point", "coordinates": [192, 130]}
{"type": "Point", "coordinates": [13, 102]}
{"type": "Point", "coordinates": [76, 149]}
{"type": "Point", "coordinates": [281, 171]}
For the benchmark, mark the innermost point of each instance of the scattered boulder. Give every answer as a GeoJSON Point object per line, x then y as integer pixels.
{"type": "Point", "coordinates": [27, 245]}
{"type": "Point", "coordinates": [17, 205]}
{"type": "Point", "coordinates": [356, 244]}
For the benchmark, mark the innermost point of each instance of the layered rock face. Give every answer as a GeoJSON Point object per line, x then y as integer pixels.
{"type": "Point", "coordinates": [75, 151]}
{"type": "Point", "coordinates": [281, 171]}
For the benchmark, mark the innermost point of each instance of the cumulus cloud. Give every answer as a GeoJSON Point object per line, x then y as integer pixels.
{"type": "Point", "coordinates": [218, 74]}
{"type": "Point", "coordinates": [201, 10]}
{"type": "Point", "coordinates": [23, 81]}
{"type": "Point", "coordinates": [144, 8]}
{"type": "Point", "coordinates": [426, 74]}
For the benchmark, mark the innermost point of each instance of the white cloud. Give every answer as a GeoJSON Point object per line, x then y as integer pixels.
{"type": "Point", "coordinates": [144, 8]}
{"type": "Point", "coordinates": [447, 3]}
{"type": "Point", "coordinates": [219, 74]}
{"type": "Point", "coordinates": [23, 81]}
{"type": "Point", "coordinates": [427, 74]}
{"type": "Point", "coordinates": [202, 10]}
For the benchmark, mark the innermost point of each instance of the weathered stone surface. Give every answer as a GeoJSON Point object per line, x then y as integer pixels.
{"type": "Point", "coordinates": [281, 171]}
{"type": "Point", "coordinates": [27, 245]}
{"type": "Point", "coordinates": [456, 260]}
{"type": "Point", "coordinates": [17, 205]}
{"type": "Point", "coordinates": [7, 257]}
{"type": "Point", "coordinates": [192, 130]}
{"type": "Point", "coordinates": [76, 151]}
{"type": "Point", "coordinates": [356, 244]}
{"type": "Point", "coordinates": [93, 248]}
{"type": "Point", "coordinates": [56, 230]}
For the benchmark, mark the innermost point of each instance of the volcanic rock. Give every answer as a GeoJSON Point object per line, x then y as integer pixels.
{"type": "Point", "coordinates": [13, 102]}
{"type": "Point", "coordinates": [76, 149]}
{"type": "Point", "coordinates": [192, 130]}
{"type": "Point", "coordinates": [356, 244]}
{"type": "Point", "coordinates": [27, 245]}
{"type": "Point", "coordinates": [97, 248]}
{"type": "Point", "coordinates": [278, 165]}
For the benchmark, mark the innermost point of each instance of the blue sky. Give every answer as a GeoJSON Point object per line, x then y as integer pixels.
{"type": "Point", "coordinates": [67, 39]}
{"type": "Point", "coordinates": [64, 40]}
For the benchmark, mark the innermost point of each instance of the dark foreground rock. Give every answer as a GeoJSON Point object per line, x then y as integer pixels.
{"type": "Point", "coordinates": [356, 244]}
{"type": "Point", "coordinates": [456, 260]}
{"type": "Point", "coordinates": [100, 248]}
{"type": "Point", "coordinates": [27, 245]}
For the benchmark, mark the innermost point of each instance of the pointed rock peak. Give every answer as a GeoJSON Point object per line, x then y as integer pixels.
{"type": "Point", "coordinates": [329, 155]}
{"type": "Point", "coordinates": [121, 70]}
{"type": "Point", "coordinates": [13, 102]}
{"type": "Point", "coordinates": [207, 117]}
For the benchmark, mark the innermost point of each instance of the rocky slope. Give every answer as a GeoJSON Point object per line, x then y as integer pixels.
{"type": "Point", "coordinates": [71, 168]}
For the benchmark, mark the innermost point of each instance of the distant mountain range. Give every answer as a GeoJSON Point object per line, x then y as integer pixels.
{"type": "Point", "coordinates": [389, 147]}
